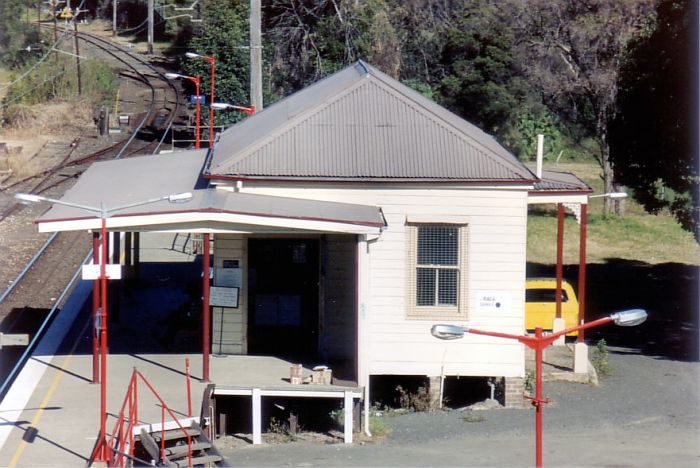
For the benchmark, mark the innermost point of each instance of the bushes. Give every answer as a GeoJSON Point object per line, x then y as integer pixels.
{"type": "Point", "coordinates": [56, 78]}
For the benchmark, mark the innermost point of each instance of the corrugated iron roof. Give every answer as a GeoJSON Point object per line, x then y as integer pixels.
{"type": "Point", "coordinates": [360, 124]}
{"type": "Point", "coordinates": [559, 181]}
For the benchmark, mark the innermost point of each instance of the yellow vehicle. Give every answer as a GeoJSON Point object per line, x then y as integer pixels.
{"type": "Point", "coordinates": [541, 306]}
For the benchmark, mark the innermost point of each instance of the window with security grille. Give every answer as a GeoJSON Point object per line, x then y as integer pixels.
{"type": "Point", "coordinates": [435, 267]}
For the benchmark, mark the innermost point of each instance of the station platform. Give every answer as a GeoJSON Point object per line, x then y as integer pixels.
{"type": "Point", "coordinates": [50, 415]}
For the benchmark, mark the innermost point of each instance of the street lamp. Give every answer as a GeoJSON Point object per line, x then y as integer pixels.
{"type": "Point", "coordinates": [610, 195]}
{"type": "Point", "coordinates": [195, 80]}
{"type": "Point", "coordinates": [103, 212]}
{"type": "Point", "coordinates": [626, 318]}
{"type": "Point", "coordinates": [212, 62]}
{"type": "Point", "coordinates": [224, 106]}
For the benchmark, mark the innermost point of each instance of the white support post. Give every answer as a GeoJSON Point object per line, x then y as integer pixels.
{"type": "Point", "coordinates": [362, 309]}
{"type": "Point", "coordinates": [348, 407]}
{"type": "Point", "coordinates": [257, 417]}
{"type": "Point", "coordinates": [558, 324]}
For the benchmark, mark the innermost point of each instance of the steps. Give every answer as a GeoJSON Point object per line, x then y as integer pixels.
{"type": "Point", "coordinates": [176, 449]}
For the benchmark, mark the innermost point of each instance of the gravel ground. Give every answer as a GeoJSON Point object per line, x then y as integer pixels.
{"type": "Point", "coordinates": [644, 415]}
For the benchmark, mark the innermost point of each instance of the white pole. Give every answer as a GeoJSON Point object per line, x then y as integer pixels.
{"type": "Point", "coordinates": [540, 153]}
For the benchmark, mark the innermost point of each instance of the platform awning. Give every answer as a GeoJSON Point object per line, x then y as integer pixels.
{"type": "Point", "coordinates": [119, 183]}
{"type": "Point", "coordinates": [559, 187]}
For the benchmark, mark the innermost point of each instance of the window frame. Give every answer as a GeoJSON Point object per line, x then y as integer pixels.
{"type": "Point", "coordinates": [437, 311]}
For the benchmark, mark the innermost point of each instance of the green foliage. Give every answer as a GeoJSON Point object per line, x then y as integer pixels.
{"type": "Point", "coordinates": [377, 423]}
{"type": "Point", "coordinates": [224, 32]}
{"type": "Point", "coordinates": [651, 137]}
{"type": "Point", "coordinates": [15, 33]}
{"type": "Point", "coordinates": [418, 401]}
{"type": "Point", "coordinates": [529, 384]}
{"type": "Point", "coordinates": [480, 80]}
{"type": "Point", "coordinates": [56, 79]}
{"type": "Point", "coordinates": [600, 358]}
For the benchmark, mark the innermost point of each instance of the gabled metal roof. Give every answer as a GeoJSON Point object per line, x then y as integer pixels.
{"type": "Point", "coordinates": [361, 125]}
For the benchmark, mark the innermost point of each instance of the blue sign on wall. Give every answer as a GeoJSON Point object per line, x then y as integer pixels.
{"type": "Point", "coordinates": [193, 99]}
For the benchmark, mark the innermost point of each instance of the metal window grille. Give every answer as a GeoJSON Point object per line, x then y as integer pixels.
{"type": "Point", "coordinates": [437, 269]}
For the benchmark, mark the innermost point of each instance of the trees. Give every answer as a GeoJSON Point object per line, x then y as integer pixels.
{"type": "Point", "coordinates": [571, 51]}
{"type": "Point", "coordinates": [224, 35]}
{"type": "Point", "coordinates": [650, 138]}
{"type": "Point", "coordinates": [15, 33]}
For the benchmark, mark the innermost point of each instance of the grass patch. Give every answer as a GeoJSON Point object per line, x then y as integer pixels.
{"type": "Point", "coordinates": [638, 235]}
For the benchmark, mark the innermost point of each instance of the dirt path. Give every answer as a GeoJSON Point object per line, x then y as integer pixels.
{"type": "Point", "coordinates": [644, 415]}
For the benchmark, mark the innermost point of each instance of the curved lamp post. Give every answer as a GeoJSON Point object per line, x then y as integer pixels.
{"type": "Point", "coordinates": [212, 62]}
{"type": "Point", "coordinates": [101, 318]}
{"type": "Point", "coordinates": [626, 318]}
{"type": "Point", "coordinates": [195, 80]}
{"type": "Point", "coordinates": [224, 106]}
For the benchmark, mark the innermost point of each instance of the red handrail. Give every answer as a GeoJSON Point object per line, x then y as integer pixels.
{"type": "Point", "coordinates": [122, 435]}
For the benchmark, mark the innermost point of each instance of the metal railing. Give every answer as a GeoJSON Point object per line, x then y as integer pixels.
{"type": "Point", "coordinates": [121, 441]}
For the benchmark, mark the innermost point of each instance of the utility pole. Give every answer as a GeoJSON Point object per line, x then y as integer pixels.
{"type": "Point", "coordinates": [77, 49]}
{"type": "Point", "coordinates": [256, 97]}
{"type": "Point", "coordinates": [114, 17]}
{"type": "Point", "coordinates": [149, 48]}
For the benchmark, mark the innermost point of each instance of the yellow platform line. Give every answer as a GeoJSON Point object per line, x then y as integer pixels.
{"type": "Point", "coordinates": [45, 402]}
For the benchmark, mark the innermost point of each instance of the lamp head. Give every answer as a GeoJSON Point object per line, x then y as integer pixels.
{"type": "Point", "coordinates": [629, 318]}
{"type": "Point", "coordinates": [172, 76]}
{"type": "Point", "coordinates": [448, 332]}
{"type": "Point", "coordinates": [192, 55]}
{"type": "Point", "coordinates": [180, 197]}
{"type": "Point", "coordinates": [28, 197]}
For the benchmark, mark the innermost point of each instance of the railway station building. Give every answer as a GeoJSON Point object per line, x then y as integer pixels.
{"type": "Point", "coordinates": [337, 226]}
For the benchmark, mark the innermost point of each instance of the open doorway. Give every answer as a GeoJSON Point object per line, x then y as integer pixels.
{"type": "Point", "coordinates": [283, 297]}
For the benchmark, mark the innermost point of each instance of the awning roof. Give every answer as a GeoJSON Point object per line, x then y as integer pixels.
{"type": "Point", "coordinates": [123, 182]}
{"type": "Point", "coordinates": [559, 187]}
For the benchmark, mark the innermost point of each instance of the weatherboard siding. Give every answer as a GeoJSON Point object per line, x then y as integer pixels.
{"type": "Point", "coordinates": [497, 226]}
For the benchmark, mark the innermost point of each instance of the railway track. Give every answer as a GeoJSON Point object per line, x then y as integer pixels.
{"type": "Point", "coordinates": [31, 298]}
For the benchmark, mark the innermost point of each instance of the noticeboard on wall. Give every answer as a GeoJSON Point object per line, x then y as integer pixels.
{"type": "Point", "coordinates": [229, 274]}
{"type": "Point", "coordinates": [223, 297]}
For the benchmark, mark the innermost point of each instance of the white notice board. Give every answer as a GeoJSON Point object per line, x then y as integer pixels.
{"type": "Point", "coordinates": [223, 297]}
{"type": "Point", "coordinates": [492, 301]}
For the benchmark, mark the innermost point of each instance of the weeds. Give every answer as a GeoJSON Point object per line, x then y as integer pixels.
{"type": "Point", "coordinates": [600, 358]}
{"type": "Point", "coordinates": [529, 384]}
{"type": "Point", "coordinates": [470, 417]}
{"type": "Point", "coordinates": [419, 401]}
{"type": "Point", "coordinates": [377, 425]}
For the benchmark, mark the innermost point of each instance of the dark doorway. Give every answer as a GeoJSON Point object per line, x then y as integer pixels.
{"type": "Point", "coordinates": [283, 297]}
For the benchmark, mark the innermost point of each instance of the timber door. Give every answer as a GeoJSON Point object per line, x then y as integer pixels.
{"type": "Point", "coordinates": [283, 297]}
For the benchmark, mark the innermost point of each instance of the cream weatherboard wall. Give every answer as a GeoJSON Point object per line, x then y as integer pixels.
{"type": "Point", "coordinates": [391, 343]}
{"type": "Point", "coordinates": [229, 325]}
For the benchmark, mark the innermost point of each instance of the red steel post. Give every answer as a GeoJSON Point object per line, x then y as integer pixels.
{"type": "Point", "coordinates": [95, 310]}
{"type": "Point", "coordinates": [582, 270]}
{"type": "Point", "coordinates": [197, 128]}
{"type": "Point", "coordinates": [205, 308]}
{"type": "Point", "coordinates": [212, 61]}
{"type": "Point", "coordinates": [560, 255]}
{"type": "Point", "coordinates": [103, 344]}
